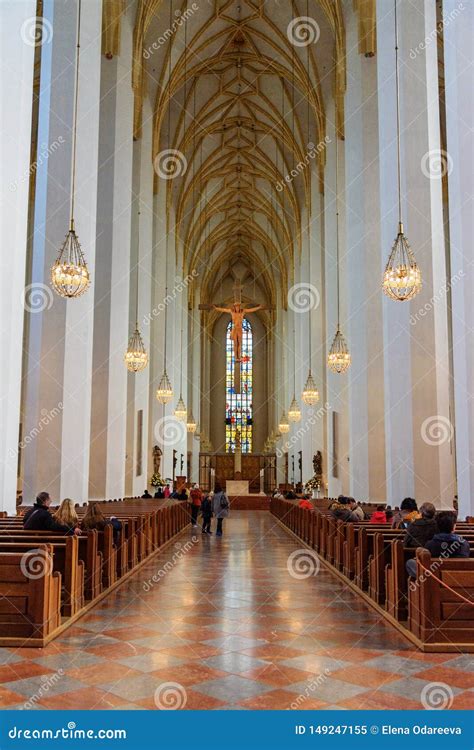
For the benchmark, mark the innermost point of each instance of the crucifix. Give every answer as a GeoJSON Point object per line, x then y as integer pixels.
{"type": "Point", "coordinates": [237, 311]}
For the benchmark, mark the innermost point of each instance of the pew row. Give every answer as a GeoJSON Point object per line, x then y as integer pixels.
{"type": "Point", "coordinates": [435, 611]}
{"type": "Point", "coordinates": [49, 580]}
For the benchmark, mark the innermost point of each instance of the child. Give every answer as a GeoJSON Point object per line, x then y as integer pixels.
{"type": "Point", "coordinates": [206, 510]}
{"type": "Point", "coordinates": [378, 516]}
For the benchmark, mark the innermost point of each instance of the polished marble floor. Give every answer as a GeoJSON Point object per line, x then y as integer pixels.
{"type": "Point", "coordinates": [245, 621]}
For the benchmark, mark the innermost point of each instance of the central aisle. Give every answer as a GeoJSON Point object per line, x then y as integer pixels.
{"type": "Point", "coordinates": [231, 622]}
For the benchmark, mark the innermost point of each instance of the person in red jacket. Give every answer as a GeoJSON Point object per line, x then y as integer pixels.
{"type": "Point", "coordinates": [196, 500]}
{"type": "Point", "coordinates": [378, 516]}
{"type": "Point", "coordinates": [306, 504]}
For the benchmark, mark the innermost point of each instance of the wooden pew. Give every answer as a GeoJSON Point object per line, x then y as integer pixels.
{"type": "Point", "coordinates": [437, 613]}
{"type": "Point", "coordinates": [29, 607]}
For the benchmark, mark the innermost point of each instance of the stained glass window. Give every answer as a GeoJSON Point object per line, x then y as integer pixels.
{"type": "Point", "coordinates": [238, 409]}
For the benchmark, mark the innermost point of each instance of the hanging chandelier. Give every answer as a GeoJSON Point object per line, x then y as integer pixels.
{"type": "Point", "coordinates": [191, 424]}
{"type": "Point", "coordinates": [69, 273]}
{"type": "Point", "coordinates": [294, 412]}
{"type": "Point", "coordinates": [339, 358]}
{"type": "Point", "coordinates": [164, 392]}
{"type": "Point", "coordinates": [284, 425]}
{"type": "Point", "coordinates": [136, 357]}
{"type": "Point", "coordinates": [402, 276]}
{"type": "Point", "coordinates": [310, 393]}
{"type": "Point", "coordinates": [180, 411]}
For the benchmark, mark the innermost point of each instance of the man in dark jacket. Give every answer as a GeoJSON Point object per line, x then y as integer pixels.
{"type": "Point", "coordinates": [421, 530]}
{"type": "Point", "coordinates": [446, 543]}
{"type": "Point", "coordinates": [38, 517]}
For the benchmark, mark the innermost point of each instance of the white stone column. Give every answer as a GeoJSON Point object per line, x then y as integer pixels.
{"type": "Point", "coordinates": [337, 384]}
{"type": "Point", "coordinates": [459, 83]}
{"type": "Point", "coordinates": [77, 384]}
{"type": "Point", "coordinates": [416, 347]}
{"type": "Point", "coordinates": [119, 277]}
{"type": "Point", "coordinates": [364, 325]}
{"type": "Point", "coordinates": [143, 267]}
{"type": "Point", "coordinates": [16, 96]}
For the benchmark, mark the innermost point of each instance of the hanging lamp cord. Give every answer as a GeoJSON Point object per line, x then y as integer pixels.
{"type": "Point", "coordinates": [337, 226]}
{"type": "Point", "coordinates": [74, 127]}
{"type": "Point", "coordinates": [397, 85]}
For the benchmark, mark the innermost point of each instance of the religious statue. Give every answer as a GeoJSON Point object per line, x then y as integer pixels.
{"type": "Point", "coordinates": [318, 465]}
{"type": "Point", "coordinates": [157, 453]}
{"type": "Point", "coordinates": [237, 311]}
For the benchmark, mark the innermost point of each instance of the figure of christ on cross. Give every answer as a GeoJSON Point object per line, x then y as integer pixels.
{"type": "Point", "coordinates": [237, 311]}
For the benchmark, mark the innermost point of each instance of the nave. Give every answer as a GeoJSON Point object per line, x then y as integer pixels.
{"type": "Point", "coordinates": [230, 623]}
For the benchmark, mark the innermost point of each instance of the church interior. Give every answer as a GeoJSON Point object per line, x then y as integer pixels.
{"type": "Point", "coordinates": [237, 432]}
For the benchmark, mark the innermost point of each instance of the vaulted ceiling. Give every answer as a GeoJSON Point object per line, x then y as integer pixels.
{"type": "Point", "coordinates": [240, 91]}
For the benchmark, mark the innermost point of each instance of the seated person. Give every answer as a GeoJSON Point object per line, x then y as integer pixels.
{"type": "Point", "coordinates": [421, 530]}
{"type": "Point", "coordinates": [335, 503]}
{"type": "Point", "coordinates": [95, 519]}
{"type": "Point", "coordinates": [146, 494]}
{"type": "Point", "coordinates": [342, 510]}
{"type": "Point", "coordinates": [39, 518]}
{"type": "Point", "coordinates": [290, 495]}
{"type": "Point", "coordinates": [306, 504]}
{"type": "Point", "coordinates": [378, 516]}
{"type": "Point", "coordinates": [159, 493]}
{"type": "Point", "coordinates": [357, 510]}
{"type": "Point", "coordinates": [407, 513]}
{"type": "Point", "coordinates": [66, 516]}
{"type": "Point", "coordinates": [445, 543]}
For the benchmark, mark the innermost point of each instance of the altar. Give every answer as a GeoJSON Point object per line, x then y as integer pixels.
{"type": "Point", "coordinates": [237, 487]}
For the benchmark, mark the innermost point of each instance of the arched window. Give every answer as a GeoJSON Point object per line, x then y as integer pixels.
{"type": "Point", "coordinates": [238, 408]}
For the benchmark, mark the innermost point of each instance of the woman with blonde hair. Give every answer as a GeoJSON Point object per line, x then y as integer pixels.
{"type": "Point", "coordinates": [67, 517]}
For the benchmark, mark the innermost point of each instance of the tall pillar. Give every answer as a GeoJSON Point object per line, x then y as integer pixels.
{"type": "Point", "coordinates": [459, 84]}
{"type": "Point", "coordinates": [111, 289]}
{"type": "Point", "coordinates": [364, 298]}
{"type": "Point", "coordinates": [16, 96]}
{"type": "Point", "coordinates": [142, 268]}
{"type": "Point", "coordinates": [58, 361]}
{"type": "Point", "coordinates": [79, 323]}
{"type": "Point", "coordinates": [418, 444]}
{"type": "Point", "coordinates": [337, 384]}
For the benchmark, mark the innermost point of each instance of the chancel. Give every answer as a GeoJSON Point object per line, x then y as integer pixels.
{"type": "Point", "coordinates": [237, 327]}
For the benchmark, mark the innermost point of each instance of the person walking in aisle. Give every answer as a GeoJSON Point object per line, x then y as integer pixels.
{"type": "Point", "coordinates": [206, 510]}
{"type": "Point", "coordinates": [220, 507]}
{"type": "Point", "coordinates": [196, 500]}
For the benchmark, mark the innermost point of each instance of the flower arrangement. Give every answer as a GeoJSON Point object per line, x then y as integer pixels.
{"type": "Point", "coordinates": [156, 480]}
{"type": "Point", "coordinates": [313, 484]}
